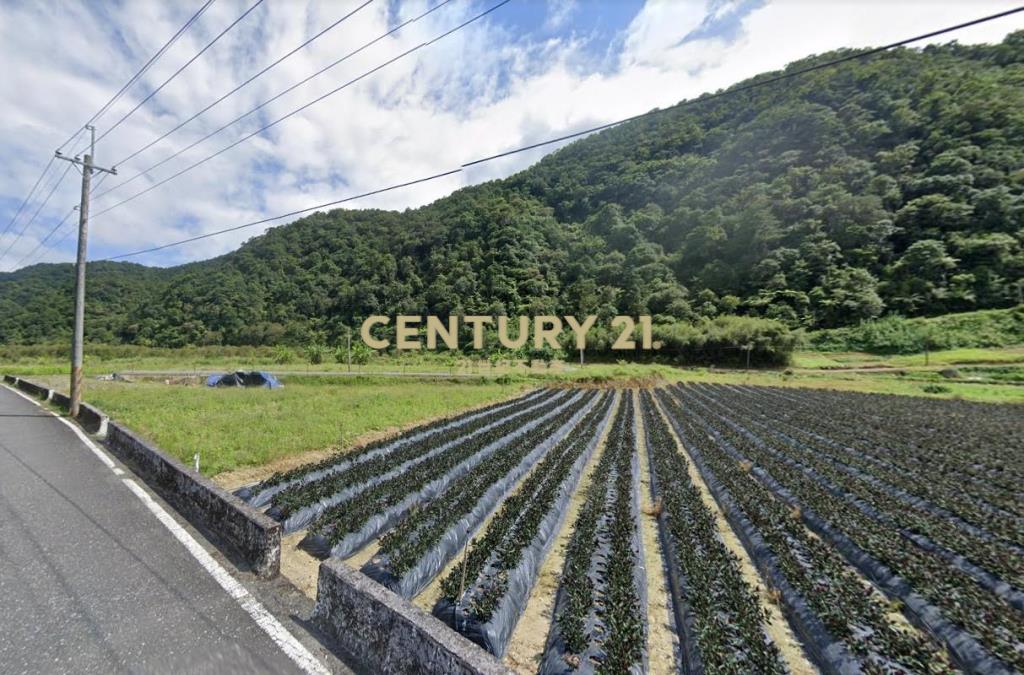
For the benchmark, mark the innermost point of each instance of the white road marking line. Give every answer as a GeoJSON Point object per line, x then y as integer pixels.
{"type": "Point", "coordinates": [294, 649]}
{"type": "Point", "coordinates": [278, 633]}
{"type": "Point", "coordinates": [96, 450]}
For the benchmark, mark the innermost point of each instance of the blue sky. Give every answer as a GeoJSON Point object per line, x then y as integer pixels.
{"type": "Point", "coordinates": [531, 70]}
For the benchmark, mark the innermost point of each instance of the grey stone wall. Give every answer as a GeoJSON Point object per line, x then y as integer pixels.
{"type": "Point", "coordinates": [382, 630]}
{"type": "Point", "coordinates": [254, 535]}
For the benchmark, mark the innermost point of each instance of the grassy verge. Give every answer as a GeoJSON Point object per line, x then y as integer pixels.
{"type": "Point", "coordinates": [236, 428]}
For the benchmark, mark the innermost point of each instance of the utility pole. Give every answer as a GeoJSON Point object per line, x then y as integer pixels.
{"type": "Point", "coordinates": [78, 336]}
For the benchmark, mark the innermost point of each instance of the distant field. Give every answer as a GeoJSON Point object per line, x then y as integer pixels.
{"type": "Point", "coordinates": [965, 356]}
{"type": "Point", "coordinates": [251, 432]}
{"type": "Point", "coordinates": [924, 384]}
{"type": "Point", "coordinates": [107, 359]}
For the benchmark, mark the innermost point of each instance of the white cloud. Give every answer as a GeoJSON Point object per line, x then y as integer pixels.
{"type": "Point", "coordinates": [478, 92]}
{"type": "Point", "coordinates": [560, 13]}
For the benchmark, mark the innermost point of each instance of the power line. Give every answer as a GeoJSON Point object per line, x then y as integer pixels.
{"type": "Point", "coordinates": [761, 83]}
{"type": "Point", "coordinates": [140, 72]}
{"type": "Point", "coordinates": [27, 197]}
{"type": "Point", "coordinates": [33, 218]}
{"type": "Point", "coordinates": [59, 225]}
{"type": "Point", "coordinates": [265, 103]}
{"type": "Point", "coordinates": [179, 70]}
{"type": "Point", "coordinates": [274, 98]}
{"type": "Point", "coordinates": [301, 108]}
{"type": "Point", "coordinates": [207, 235]}
{"type": "Point", "coordinates": [35, 186]}
{"type": "Point", "coordinates": [244, 84]}
{"type": "Point", "coordinates": [754, 85]}
{"type": "Point", "coordinates": [45, 239]}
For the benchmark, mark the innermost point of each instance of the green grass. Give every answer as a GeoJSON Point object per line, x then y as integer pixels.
{"type": "Point", "coordinates": [807, 359]}
{"type": "Point", "coordinates": [946, 357]}
{"type": "Point", "coordinates": [235, 428]}
{"type": "Point", "coordinates": [965, 356]}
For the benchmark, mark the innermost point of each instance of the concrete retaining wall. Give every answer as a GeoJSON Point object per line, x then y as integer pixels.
{"type": "Point", "coordinates": [59, 399]}
{"type": "Point", "coordinates": [33, 389]}
{"type": "Point", "coordinates": [92, 420]}
{"type": "Point", "coordinates": [378, 627]}
{"type": "Point", "coordinates": [256, 536]}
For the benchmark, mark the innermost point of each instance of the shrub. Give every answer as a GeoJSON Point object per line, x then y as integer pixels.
{"type": "Point", "coordinates": [725, 340]}
{"type": "Point", "coordinates": [897, 335]}
{"type": "Point", "coordinates": [282, 355]}
{"type": "Point", "coordinates": [315, 353]}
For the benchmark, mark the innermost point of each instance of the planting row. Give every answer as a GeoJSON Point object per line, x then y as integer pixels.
{"type": "Point", "coordinates": [962, 456]}
{"type": "Point", "coordinates": [261, 493]}
{"type": "Point", "coordinates": [886, 550]}
{"type": "Point", "coordinates": [307, 498]}
{"type": "Point", "coordinates": [350, 522]}
{"type": "Point", "coordinates": [720, 620]}
{"type": "Point", "coordinates": [980, 627]}
{"type": "Point", "coordinates": [484, 595]}
{"type": "Point", "coordinates": [842, 623]}
{"type": "Point", "coordinates": [418, 547]}
{"type": "Point", "coordinates": [599, 622]}
{"type": "Point", "coordinates": [993, 560]}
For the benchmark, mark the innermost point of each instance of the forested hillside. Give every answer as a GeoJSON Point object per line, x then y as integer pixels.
{"type": "Point", "coordinates": [890, 185]}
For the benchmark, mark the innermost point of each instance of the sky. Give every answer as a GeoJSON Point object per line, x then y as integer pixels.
{"type": "Point", "coordinates": [528, 71]}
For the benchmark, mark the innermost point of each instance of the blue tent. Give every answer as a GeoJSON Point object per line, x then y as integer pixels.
{"type": "Point", "coordinates": [241, 378]}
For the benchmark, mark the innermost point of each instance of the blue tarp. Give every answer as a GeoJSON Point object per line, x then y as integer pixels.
{"type": "Point", "coordinates": [241, 378]}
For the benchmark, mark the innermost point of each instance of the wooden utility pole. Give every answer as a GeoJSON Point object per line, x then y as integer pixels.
{"type": "Point", "coordinates": [78, 335]}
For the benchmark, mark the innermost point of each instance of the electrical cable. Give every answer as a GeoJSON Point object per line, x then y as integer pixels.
{"type": "Point", "coordinates": [41, 206]}
{"type": "Point", "coordinates": [47, 237]}
{"type": "Point", "coordinates": [753, 85]}
{"type": "Point", "coordinates": [31, 192]}
{"type": "Point", "coordinates": [274, 98]}
{"type": "Point", "coordinates": [140, 72]}
{"type": "Point", "coordinates": [179, 70]}
{"type": "Point", "coordinates": [243, 84]}
{"type": "Point", "coordinates": [207, 235]}
{"type": "Point", "coordinates": [299, 109]}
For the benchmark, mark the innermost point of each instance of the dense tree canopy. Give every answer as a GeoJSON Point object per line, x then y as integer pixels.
{"type": "Point", "coordinates": [889, 185]}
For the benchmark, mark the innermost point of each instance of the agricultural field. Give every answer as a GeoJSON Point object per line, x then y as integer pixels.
{"type": "Point", "coordinates": [692, 527]}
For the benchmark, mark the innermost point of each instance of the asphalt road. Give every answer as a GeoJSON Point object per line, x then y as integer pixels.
{"type": "Point", "coordinates": [91, 581]}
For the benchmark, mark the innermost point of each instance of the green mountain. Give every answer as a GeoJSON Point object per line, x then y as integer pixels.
{"type": "Point", "coordinates": [889, 185]}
